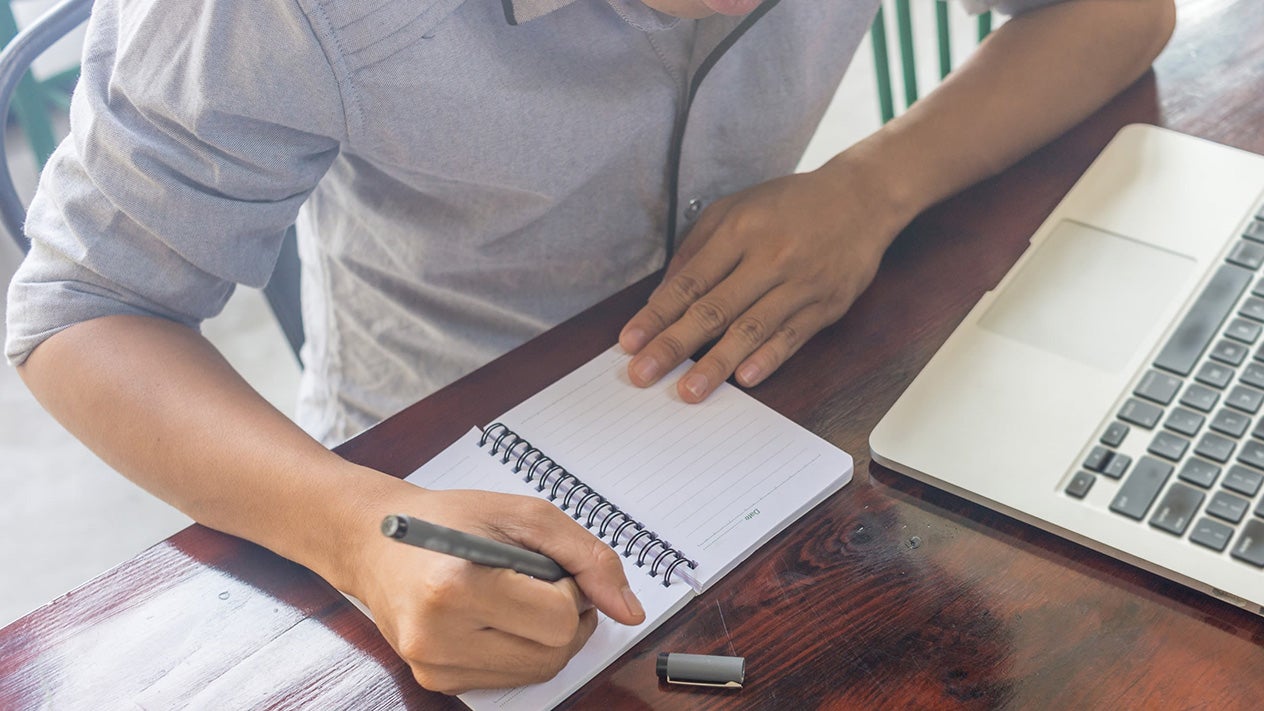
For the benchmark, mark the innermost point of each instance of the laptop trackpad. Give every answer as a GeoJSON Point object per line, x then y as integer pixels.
{"type": "Point", "coordinates": [1088, 295]}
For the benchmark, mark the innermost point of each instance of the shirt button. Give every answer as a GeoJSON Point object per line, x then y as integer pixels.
{"type": "Point", "coordinates": [692, 208]}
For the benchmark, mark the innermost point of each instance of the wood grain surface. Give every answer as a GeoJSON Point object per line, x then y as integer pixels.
{"type": "Point", "coordinates": [889, 594]}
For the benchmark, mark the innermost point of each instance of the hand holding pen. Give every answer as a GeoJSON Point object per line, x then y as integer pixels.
{"type": "Point", "coordinates": [460, 625]}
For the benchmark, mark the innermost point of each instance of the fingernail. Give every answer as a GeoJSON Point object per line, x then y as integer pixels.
{"type": "Point", "coordinates": [696, 384]}
{"type": "Point", "coordinates": [634, 339]}
{"type": "Point", "coordinates": [634, 605]}
{"type": "Point", "coordinates": [748, 374]}
{"type": "Point", "coordinates": [646, 369]}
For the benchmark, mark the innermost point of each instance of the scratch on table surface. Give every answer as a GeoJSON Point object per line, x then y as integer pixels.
{"type": "Point", "coordinates": [727, 635]}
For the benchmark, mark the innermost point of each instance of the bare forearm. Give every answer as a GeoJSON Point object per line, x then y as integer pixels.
{"type": "Point", "coordinates": [159, 404]}
{"type": "Point", "coordinates": [1031, 80]}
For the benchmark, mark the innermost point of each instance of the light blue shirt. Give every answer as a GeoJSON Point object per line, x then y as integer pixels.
{"type": "Point", "coordinates": [464, 173]}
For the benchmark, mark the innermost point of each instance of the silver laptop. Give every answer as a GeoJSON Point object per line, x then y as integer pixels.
{"type": "Point", "coordinates": [1111, 388]}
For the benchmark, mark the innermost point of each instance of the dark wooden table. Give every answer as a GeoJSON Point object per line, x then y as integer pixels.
{"type": "Point", "coordinates": [889, 594]}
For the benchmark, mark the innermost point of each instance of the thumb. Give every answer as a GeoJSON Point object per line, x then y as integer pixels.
{"type": "Point", "coordinates": [596, 567]}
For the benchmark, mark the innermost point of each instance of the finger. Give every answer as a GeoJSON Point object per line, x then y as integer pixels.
{"type": "Point", "coordinates": [705, 320]}
{"type": "Point", "coordinates": [493, 659]}
{"type": "Point", "coordinates": [676, 294]}
{"type": "Point", "coordinates": [595, 567]}
{"type": "Point", "coordinates": [536, 610]}
{"type": "Point", "coordinates": [784, 342]}
{"type": "Point", "coordinates": [749, 331]}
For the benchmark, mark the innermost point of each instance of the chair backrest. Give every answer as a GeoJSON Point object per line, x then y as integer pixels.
{"type": "Point", "coordinates": [282, 291]}
{"type": "Point", "coordinates": [15, 61]}
{"type": "Point", "coordinates": [908, 59]}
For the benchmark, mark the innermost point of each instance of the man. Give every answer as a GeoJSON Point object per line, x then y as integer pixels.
{"type": "Point", "coordinates": [473, 173]}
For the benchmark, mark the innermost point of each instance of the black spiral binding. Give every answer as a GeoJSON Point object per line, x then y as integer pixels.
{"type": "Point", "coordinates": [627, 536]}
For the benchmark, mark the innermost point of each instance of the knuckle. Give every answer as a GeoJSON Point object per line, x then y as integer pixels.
{"type": "Point", "coordinates": [790, 335]}
{"type": "Point", "coordinates": [710, 316]}
{"type": "Point", "coordinates": [685, 288]}
{"type": "Point", "coordinates": [743, 220]}
{"type": "Point", "coordinates": [441, 594]}
{"type": "Point", "coordinates": [675, 348]}
{"type": "Point", "coordinates": [605, 556]}
{"type": "Point", "coordinates": [534, 509]}
{"type": "Point", "coordinates": [412, 646]}
{"type": "Point", "coordinates": [546, 667]}
{"type": "Point", "coordinates": [564, 629]}
{"type": "Point", "coordinates": [418, 647]}
{"type": "Point", "coordinates": [750, 329]}
{"type": "Point", "coordinates": [654, 315]}
{"type": "Point", "coordinates": [435, 680]}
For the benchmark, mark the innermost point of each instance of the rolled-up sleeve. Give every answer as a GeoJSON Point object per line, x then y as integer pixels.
{"type": "Point", "coordinates": [197, 131]}
{"type": "Point", "coordinates": [1006, 7]}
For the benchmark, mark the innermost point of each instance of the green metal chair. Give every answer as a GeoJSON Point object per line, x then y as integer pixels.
{"type": "Point", "coordinates": [37, 101]}
{"type": "Point", "coordinates": [908, 62]}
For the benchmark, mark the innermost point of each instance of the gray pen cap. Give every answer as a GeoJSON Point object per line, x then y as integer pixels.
{"type": "Point", "coordinates": [701, 670]}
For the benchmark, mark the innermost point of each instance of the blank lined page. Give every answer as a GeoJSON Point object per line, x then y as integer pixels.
{"type": "Point", "coordinates": [715, 479]}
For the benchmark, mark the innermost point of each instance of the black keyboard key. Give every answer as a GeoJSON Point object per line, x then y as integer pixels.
{"type": "Point", "coordinates": [1250, 545]}
{"type": "Point", "coordinates": [1080, 484]}
{"type": "Point", "coordinates": [1214, 374]}
{"type": "Point", "coordinates": [1245, 399]}
{"type": "Point", "coordinates": [1228, 507]}
{"type": "Point", "coordinates": [1159, 387]}
{"type": "Point", "coordinates": [1115, 433]}
{"type": "Point", "coordinates": [1229, 353]}
{"type": "Point", "coordinates": [1258, 432]}
{"type": "Point", "coordinates": [1252, 308]}
{"type": "Point", "coordinates": [1258, 289]}
{"type": "Point", "coordinates": [1252, 453]}
{"type": "Point", "coordinates": [1199, 398]}
{"type": "Point", "coordinates": [1253, 374]}
{"type": "Point", "coordinates": [1117, 466]}
{"type": "Point", "coordinates": [1177, 509]}
{"type": "Point", "coordinates": [1242, 330]}
{"type": "Point", "coordinates": [1228, 422]}
{"type": "Point", "coordinates": [1211, 534]}
{"type": "Point", "coordinates": [1215, 447]}
{"type": "Point", "coordinates": [1197, 471]}
{"type": "Point", "coordinates": [1168, 446]}
{"type": "Point", "coordinates": [1184, 421]}
{"type": "Point", "coordinates": [1199, 325]}
{"type": "Point", "coordinates": [1140, 413]}
{"type": "Point", "coordinates": [1246, 254]}
{"type": "Point", "coordinates": [1097, 458]}
{"type": "Point", "coordinates": [1138, 491]}
{"type": "Point", "coordinates": [1244, 480]}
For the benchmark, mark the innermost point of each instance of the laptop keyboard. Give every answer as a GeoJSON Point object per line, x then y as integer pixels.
{"type": "Point", "coordinates": [1198, 409]}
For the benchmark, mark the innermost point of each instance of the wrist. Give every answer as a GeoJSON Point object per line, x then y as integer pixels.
{"type": "Point", "coordinates": [875, 180]}
{"type": "Point", "coordinates": [370, 497]}
{"type": "Point", "coordinates": [332, 528]}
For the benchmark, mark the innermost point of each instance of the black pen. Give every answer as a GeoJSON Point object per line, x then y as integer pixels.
{"type": "Point", "coordinates": [475, 549]}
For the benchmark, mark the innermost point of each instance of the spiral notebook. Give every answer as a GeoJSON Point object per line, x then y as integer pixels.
{"type": "Point", "coordinates": [684, 492]}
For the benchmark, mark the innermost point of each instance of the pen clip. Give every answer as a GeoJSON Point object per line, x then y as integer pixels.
{"type": "Point", "coordinates": [712, 684]}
